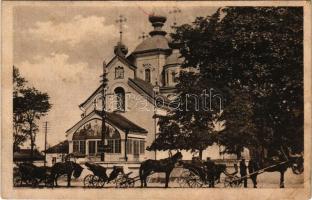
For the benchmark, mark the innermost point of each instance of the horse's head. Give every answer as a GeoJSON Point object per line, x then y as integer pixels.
{"type": "Point", "coordinates": [77, 170]}
{"type": "Point", "coordinates": [297, 164]}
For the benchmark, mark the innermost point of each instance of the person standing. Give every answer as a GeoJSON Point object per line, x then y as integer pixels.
{"type": "Point", "coordinates": [210, 166]}
{"type": "Point", "coordinates": [243, 171]}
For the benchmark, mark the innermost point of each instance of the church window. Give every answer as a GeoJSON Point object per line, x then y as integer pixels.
{"type": "Point", "coordinates": [142, 146]}
{"type": "Point", "coordinates": [91, 147]}
{"type": "Point", "coordinates": [120, 98]}
{"type": "Point", "coordinates": [119, 72]}
{"type": "Point", "coordinates": [174, 77]}
{"type": "Point", "coordinates": [148, 75]}
{"type": "Point", "coordinates": [76, 146]}
{"type": "Point", "coordinates": [129, 146]}
{"type": "Point", "coordinates": [114, 143]}
{"type": "Point", "coordinates": [82, 147]}
{"type": "Point", "coordinates": [136, 147]}
{"type": "Point", "coordinates": [79, 146]}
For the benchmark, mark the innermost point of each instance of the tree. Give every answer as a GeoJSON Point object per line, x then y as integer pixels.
{"type": "Point", "coordinates": [254, 56]}
{"type": "Point", "coordinates": [240, 129]}
{"type": "Point", "coordinates": [29, 106]}
{"type": "Point", "coordinates": [19, 133]}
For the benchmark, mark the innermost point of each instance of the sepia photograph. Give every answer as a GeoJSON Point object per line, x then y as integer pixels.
{"type": "Point", "coordinates": [167, 98]}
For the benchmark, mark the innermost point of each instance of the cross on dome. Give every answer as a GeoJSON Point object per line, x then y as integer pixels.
{"type": "Point", "coordinates": [143, 36]}
{"type": "Point", "coordinates": [121, 20]}
{"type": "Point", "coordinates": [174, 12]}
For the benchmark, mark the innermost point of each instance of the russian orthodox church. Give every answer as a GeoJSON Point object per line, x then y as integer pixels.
{"type": "Point", "coordinates": [130, 118]}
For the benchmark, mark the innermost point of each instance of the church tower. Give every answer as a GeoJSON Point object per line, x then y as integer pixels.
{"type": "Point", "coordinates": [150, 55]}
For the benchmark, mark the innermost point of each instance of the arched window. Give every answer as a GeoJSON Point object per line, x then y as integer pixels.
{"type": "Point", "coordinates": [120, 98]}
{"type": "Point", "coordinates": [119, 72]}
{"type": "Point", "coordinates": [148, 75]}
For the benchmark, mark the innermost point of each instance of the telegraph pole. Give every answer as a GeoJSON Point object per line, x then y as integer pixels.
{"type": "Point", "coordinates": [45, 142]}
{"type": "Point", "coordinates": [104, 83]}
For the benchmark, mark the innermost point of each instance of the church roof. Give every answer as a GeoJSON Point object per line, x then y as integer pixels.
{"type": "Point", "coordinates": [113, 118]}
{"type": "Point", "coordinates": [157, 42]}
{"type": "Point", "coordinates": [144, 87]}
{"type": "Point", "coordinates": [61, 147]}
{"type": "Point", "coordinates": [122, 122]}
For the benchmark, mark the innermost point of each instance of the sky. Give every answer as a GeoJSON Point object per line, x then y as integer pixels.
{"type": "Point", "coordinates": [60, 50]}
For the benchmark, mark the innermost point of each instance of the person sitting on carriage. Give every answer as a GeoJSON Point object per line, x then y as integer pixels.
{"type": "Point", "coordinates": [210, 167]}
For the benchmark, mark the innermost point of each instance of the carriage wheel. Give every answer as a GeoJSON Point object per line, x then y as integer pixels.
{"type": "Point", "coordinates": [99, 182]}
{"type": "Point", "coordinates": [183, 179]}
{"type": "Point", "coordinates": [227, 182]}
{"type": "Point", "coordinates": [88, 181]}
{"type": "Point", "coordinates": [34, 182]}
{"type": "Point", "coordinates": [194, 181]}
{"type": "Point", "coordinates": [122, 182]}
{"type": "Point", "coordinates": [131, 182]}
{"type": "Point", "coordinates": [17, 180]}
{"type": "Point", "coordinates": [118, 180]}
{"type": "Point", "coordinates": [234, 182]}
{"type": "Point", "coordinates": [49, 182]}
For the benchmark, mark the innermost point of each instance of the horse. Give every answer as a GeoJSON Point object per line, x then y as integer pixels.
{"type": "Point", "coordinates": [68, 168]}
{"type": "Point", "coordinates": [276, 165]}
{"type": "Point", "coordinates": [164, 165]}
{"type": "Point", "coordinates": [30, 173]}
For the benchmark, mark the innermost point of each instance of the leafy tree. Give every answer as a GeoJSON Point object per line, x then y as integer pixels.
{"type": "Point", "coordinates": [240, 129]}
{"type": "Point", "coordinates": [19, 134]}
{"type": "Point", "coordinates": [254, 56]}
{"type": "Point", "coordinates": [29, 106]}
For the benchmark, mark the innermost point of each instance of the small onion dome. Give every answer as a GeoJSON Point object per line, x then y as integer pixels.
{"type": "Point", "coordinates": [120, 49]}
{"type": "Point", "coordinates": [157, 23]}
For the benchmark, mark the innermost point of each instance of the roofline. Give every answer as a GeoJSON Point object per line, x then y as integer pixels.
{"type": "Point", "coordinates": [166, 51]}
{"type": "Point", "coordinates": [125, 61]}
{"type": "Point", "coordinates": [171, 65]}
{"type": "Point", "coordinates": [94, 93]}
{"type": "Point", "coordinates": [96, 112]}
{"type": "Point", "coordinates": [149, 97]}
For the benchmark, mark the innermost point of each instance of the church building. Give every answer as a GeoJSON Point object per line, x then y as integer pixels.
{"type": "Point", "coordinates": [134, 80]}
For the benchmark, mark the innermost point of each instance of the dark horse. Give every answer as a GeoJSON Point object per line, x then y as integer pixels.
{"type": "Point", "coordinates": [280, 164]}
{"type": "Point", "coordinates": [164, 165]}
{"type": "Point", "coordinates": [30, 173]}
{"type": "Point", "coordinates": [68, 168]}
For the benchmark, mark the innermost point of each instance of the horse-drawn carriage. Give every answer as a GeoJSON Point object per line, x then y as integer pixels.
{"type": "Point", "coordinates": [29, 174]}
{"type": "Point", "coordinates": [197, 174]}
{"type": "Point", "coordinates": [99, 177]}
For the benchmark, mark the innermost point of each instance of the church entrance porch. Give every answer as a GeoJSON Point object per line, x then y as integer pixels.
{"type": "Point", "coordinates": [124, 141]}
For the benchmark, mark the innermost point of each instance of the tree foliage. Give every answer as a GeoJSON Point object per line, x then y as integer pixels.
{"type": "Point", "coordinates": [29, 105]}
{"type": "Point", "coordinates": [254, 55]}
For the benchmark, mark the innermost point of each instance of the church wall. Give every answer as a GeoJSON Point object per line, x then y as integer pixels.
{"type": "Point", "coordinates": [140, 111]}
{"type": "Point", "coordinates": [154, 62]}
{"type": "Point", "coordinates": [112, 84]}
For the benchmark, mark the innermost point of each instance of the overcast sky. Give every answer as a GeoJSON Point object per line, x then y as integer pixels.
{"type": "Point", "coordinates": [60, 50]}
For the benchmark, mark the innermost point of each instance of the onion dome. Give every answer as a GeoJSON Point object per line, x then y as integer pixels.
{"type": "Point", "coordinates": [157, 41]}
{"type": "Point", "coordinates": [120, 49]}
{"type": "Point", "coordinates": [157, 23]}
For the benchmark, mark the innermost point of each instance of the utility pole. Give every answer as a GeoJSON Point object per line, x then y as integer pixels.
{"type": "Point", "coordinates": [104, 83]}
{"type": "Point", "coordinates": [45, 142]}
